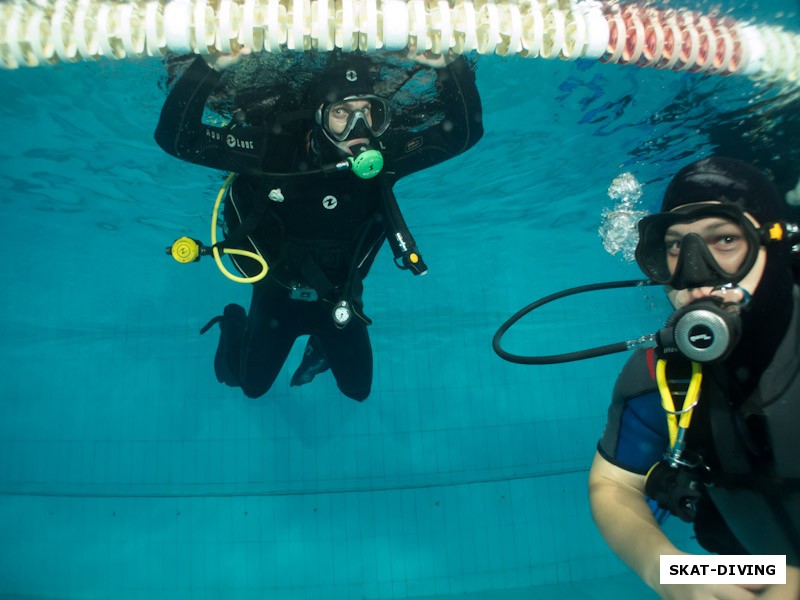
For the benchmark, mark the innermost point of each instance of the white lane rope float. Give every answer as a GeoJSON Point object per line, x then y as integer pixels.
{"type": "Point", "coordinates": [42, 33]}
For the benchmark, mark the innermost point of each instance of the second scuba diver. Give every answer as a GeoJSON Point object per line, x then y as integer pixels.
{"type": "Point", "coordinates": [714, 443]}
{"type": "Point", "coordinates": [314, 199]}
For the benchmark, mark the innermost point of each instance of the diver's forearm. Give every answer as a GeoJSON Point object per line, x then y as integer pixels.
{"type": "Point", "coordinates": [627, 524]}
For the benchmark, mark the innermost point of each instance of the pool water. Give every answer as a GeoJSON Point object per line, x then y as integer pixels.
{"type": "Point", "coordinates": [127, 471]}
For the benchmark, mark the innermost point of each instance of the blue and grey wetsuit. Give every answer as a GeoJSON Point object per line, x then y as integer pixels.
{"type": "Point", "coordinates": [751, 447]}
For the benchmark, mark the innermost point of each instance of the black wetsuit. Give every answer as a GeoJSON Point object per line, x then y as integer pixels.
{"type": "Point", "coordinates": [317, 230]}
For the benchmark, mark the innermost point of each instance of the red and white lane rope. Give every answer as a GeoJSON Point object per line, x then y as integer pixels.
{"type": "Point", "coordinates": [681, 40]}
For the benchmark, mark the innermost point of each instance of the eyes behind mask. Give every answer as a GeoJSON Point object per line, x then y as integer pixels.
{"type": "Point", "coordinates": [371, 120]}
{"type": "Point", "coordinates": [695, 258]}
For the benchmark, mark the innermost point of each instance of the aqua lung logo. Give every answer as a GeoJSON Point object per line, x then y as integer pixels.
{"type": "Point", "coordinates": [234, 142]}
{"type": "Point", "coordinates": [330, 202]}
{"type": "Point", "coordinates": [351, 75]}
{"type": "Point", "coordinates": [701, 337]}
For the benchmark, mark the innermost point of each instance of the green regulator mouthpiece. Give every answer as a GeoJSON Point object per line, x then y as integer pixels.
{"type": "Point", "coordinates": [367, 164]}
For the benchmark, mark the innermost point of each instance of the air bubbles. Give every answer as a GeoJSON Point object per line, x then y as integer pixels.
{"type": "Point", "coordinates": [618, 227]}
{"type": "Point", "coordinates": [625, 189]}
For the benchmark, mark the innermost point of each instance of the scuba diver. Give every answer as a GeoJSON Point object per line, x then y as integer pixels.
{"type": "Point", "coordinates": [712, 441]}
{"type": "Point", "coordinates": [311, 194]}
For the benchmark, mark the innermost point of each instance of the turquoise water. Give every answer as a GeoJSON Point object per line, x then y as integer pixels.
{"type": "Point", "coordinates": [127, 471]}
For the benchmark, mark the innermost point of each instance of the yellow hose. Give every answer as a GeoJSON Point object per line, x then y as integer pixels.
{"type": "Point", "coordinates": [237, 252]}
{"type": "Point", "coordinates": [678, 419]}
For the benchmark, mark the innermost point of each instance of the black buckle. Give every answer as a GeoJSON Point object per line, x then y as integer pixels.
{"type": "Point", "coordinates": [303, 293]}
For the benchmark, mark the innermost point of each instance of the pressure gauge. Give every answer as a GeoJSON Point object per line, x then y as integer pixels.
{"type": "Point", "coordinates": [342, 313]}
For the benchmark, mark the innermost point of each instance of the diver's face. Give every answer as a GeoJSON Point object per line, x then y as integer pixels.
{"type": "Point", "coordinates": [724, 239]}
{"type": "Point", "coordinates": [340, 114]}
{"type": "Point", "coordinates": [727, 243]}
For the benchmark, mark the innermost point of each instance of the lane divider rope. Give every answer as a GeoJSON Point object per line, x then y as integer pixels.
{"type": "Point", "coordinates": [33, 35]}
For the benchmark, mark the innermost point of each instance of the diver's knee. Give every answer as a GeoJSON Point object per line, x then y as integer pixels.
{"type": "Point", "coordinates": [254, 392]}
{"type": "Point", "coordinates": [357, 395]}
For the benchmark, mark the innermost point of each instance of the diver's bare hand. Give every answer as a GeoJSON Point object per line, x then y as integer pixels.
{"type": "Point", "coordinates": [710, 592]}
{"type": "Point", "coordinates": [789, 591]}
{"type": "Point", "coordinates": [430, 59]}
{"type": "Point", "coordinates": [220, 62]}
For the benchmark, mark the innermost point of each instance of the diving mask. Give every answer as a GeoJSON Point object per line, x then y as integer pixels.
{"type": "Point", "coordinates": [355, 116]}
{"type": "Point", "coordinates": [720, 252]}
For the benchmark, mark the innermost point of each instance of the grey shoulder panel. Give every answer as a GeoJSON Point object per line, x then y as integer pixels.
{"type": "Point", "coordinates": [637, 376]}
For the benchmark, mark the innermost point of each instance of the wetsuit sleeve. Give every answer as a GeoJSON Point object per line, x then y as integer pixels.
{"type": "Point", "coordinates": [182, 133]}
{"type": "Point", "coordinates": [460, 129]}
{"type": "Point", "coordinates": [636, 435]}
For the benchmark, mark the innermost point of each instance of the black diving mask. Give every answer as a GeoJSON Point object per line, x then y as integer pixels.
{"type": "Point", "coordinates": [720, 253]}
{"type": "Point", "coordinates": [355, 116]}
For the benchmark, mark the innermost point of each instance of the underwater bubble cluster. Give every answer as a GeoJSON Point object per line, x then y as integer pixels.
{"type": "Point", "coordinates": [618, 227]}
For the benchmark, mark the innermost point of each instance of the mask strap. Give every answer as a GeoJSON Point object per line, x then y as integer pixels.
{"type": "Point", "coordinates": [678, 421]}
